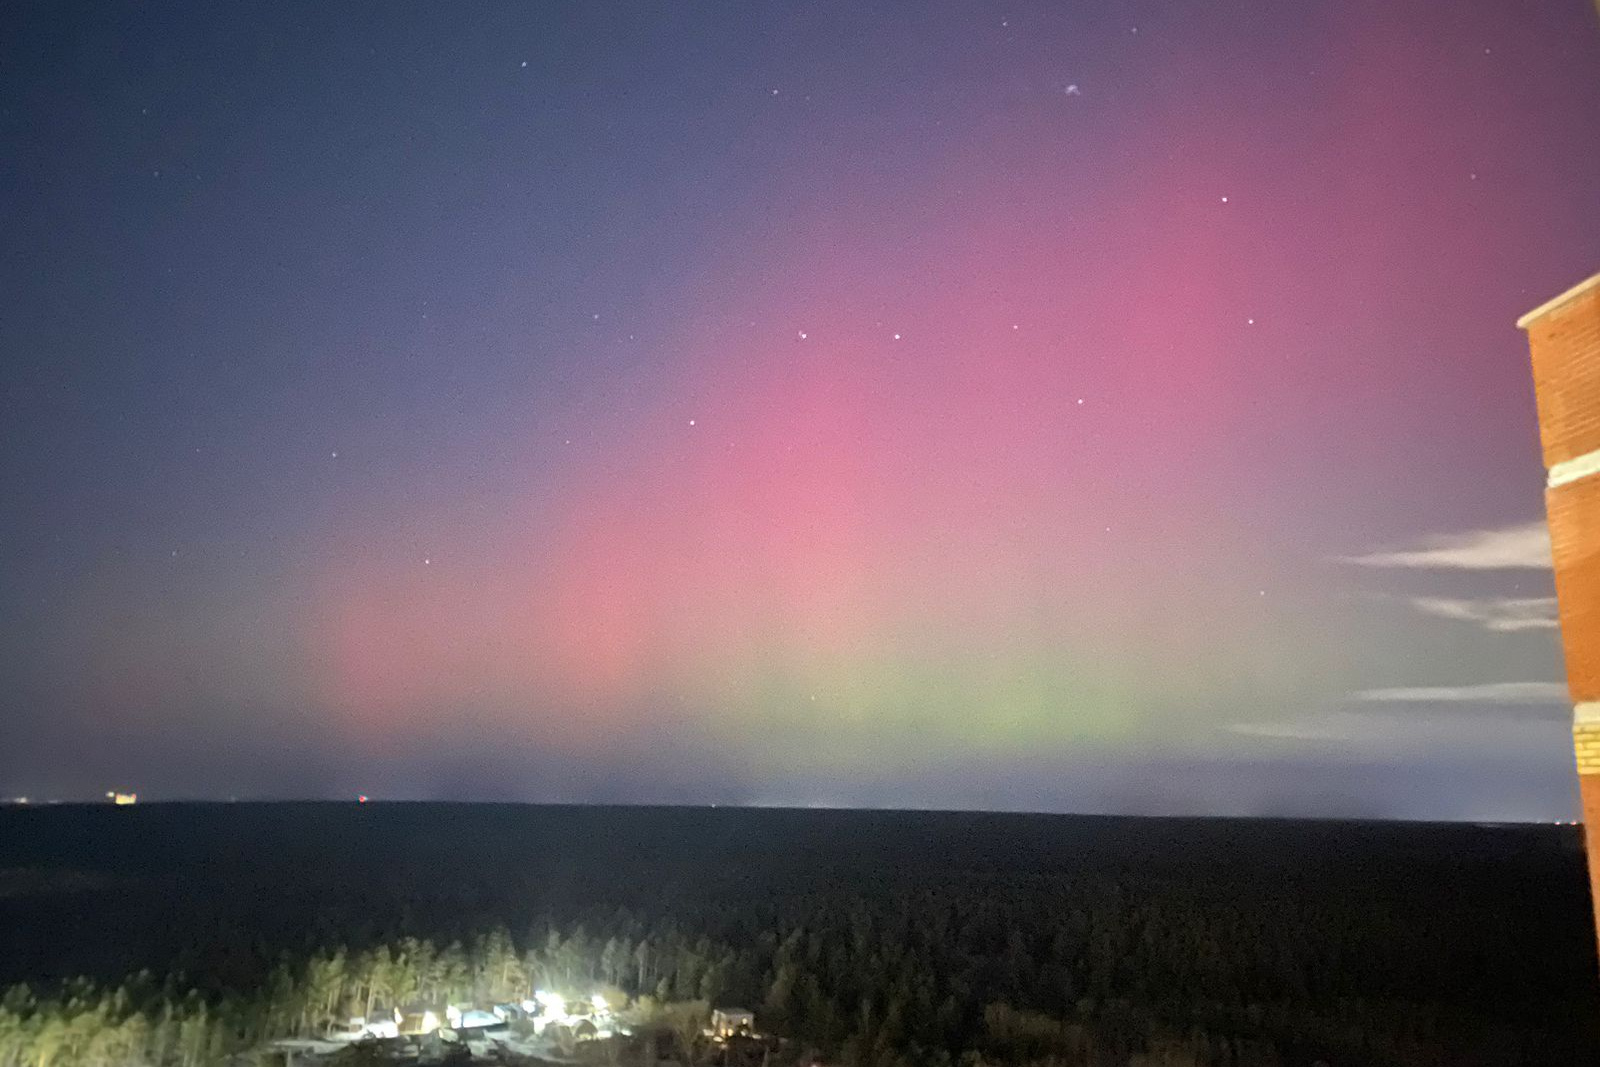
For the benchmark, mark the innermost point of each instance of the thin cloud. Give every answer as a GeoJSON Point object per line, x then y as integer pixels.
{"type": "Point", "coordinates": [1292, 730]}
{"type": "Point", "coordinates": [1498, 613]}
{"type": "Point", "coordinates": [1522, 547]}
{"type": "Point", "coordinates": [1387, 720]}
{"type": "Point", "coordinates": [1491, 693]}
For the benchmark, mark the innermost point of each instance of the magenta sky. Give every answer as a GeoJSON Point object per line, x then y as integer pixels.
{"type": "Point", "coordinates": [938, 406]}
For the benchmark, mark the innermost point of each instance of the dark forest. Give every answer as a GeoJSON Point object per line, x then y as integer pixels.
{"type": "Point", "coordinates": [186, 934]}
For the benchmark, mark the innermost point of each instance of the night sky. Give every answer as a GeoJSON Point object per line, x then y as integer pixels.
{"type": "Point", "coordinates": [1092, 406]}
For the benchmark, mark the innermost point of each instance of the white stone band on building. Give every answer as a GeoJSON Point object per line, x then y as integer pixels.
{"type": "Point", "coordinates": [1572, 469]}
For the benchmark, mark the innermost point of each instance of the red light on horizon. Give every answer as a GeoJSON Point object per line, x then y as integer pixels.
{"type": "Point", "coordinates": [361, 799]}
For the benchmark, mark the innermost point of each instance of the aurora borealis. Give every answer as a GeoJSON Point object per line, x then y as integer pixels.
{"type": "Point", "coordinates": [1100, 406]}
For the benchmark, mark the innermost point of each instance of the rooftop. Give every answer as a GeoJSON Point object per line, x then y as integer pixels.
{"type": "Point", "coordinates": [1576, 291]}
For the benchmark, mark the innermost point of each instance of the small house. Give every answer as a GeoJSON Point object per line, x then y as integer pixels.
{"type": "Point", "coordinates": [416, 1020]}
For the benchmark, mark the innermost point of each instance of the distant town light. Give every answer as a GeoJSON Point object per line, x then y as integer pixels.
{"type": "Point", "coordinates": [122, 798]}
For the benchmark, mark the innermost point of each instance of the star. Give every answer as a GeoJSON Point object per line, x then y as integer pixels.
{"type": "Point", "coordinates": [1224, 200]}
{"type": "Point", "coordinates": [1080, 400]}
{"type": "Point", "coordinates": [802, 335]}
{"type": "Point", "coordinates": [524, 62]}
{"type": "Point", "coordinates": [427, 561]}
{"type": "Point", "coordinates": [897, 337]}
{"type": "Point", "coordinates": [1073, 90]}
{"type": "Point", "coordinates": [691, 422]}
{"type": "Point", "coordinates": [335, 454]}
{"type": "Point", "coordinates": [1249, 322]}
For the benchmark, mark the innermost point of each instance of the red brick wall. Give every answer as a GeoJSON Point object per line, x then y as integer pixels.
{"type": "Point", "coordinates": [1590, 786]}
{"type": "Point", "coordinates": [1574, 511]}
{"type": "Point", "coordinates": [1564, 339]}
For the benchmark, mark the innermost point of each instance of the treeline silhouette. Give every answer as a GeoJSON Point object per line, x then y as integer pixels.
{"type": "Point", "coordinates": [867, 939]}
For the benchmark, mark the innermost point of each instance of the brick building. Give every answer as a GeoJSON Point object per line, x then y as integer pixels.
{"type": "Point", "coordinates": [1564, 337]}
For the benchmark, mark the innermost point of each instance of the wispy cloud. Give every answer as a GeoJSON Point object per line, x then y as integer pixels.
{"type": "Point", "coordinates": [1498, 613]}
{"type": "Point", "coordinates": [1293, 730]}
{"type": "Point", "coordinates": [1523, 547]}
{"type": "Point", "coordinates": [1378, 719]}
{"type": "Point", "coordinates": [1491, 693]}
